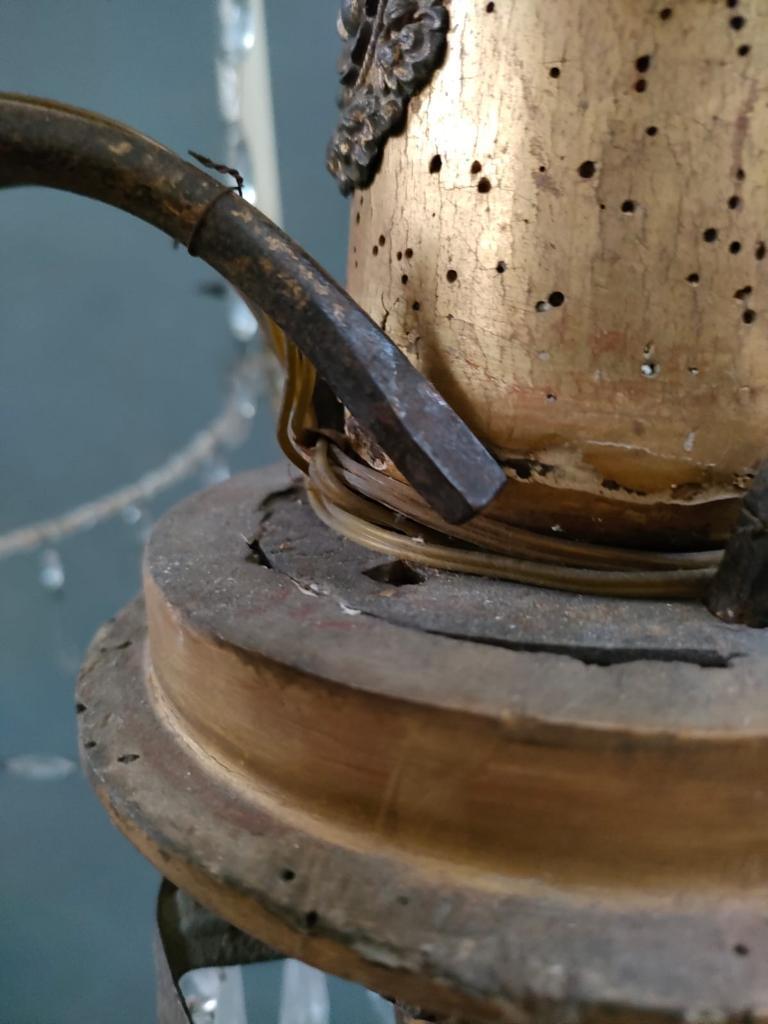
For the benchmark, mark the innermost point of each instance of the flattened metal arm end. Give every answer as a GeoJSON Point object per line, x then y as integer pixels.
{"type": "Point", "coordinates": [47, 143]}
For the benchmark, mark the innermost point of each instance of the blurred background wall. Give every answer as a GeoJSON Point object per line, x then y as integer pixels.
{"type": "Point", "coordinates": [114, 353]}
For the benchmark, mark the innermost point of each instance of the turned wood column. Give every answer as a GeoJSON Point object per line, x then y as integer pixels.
{"type": "Point", "coordinates": [569, 239]}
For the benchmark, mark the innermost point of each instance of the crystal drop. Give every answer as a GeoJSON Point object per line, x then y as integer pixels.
{"type": "Point", "coordinates": [201, 993]}
{"type": "Point", "coordinates": [246, 408]}
{"type": "Point", "coordinates": [236, 27]}
{"type": "Point", "coordinates": [202, 1011]}
{"type": "Point", "coordinates": [242, 322]}
{"type": "Point", "coordinates": [245, 398]}
{"type": "Point", "coordinates": [214, 471]}
{"type": "Point", "coordinates": [131, 514]}
{"type": "Point", "coordinates": [51, 570]}
{"type": "Point", "coordinates": [40, 767]}
{"type": "Point", "coordinates": [139, 520]}
{"type": "Point", "coordinates": [215, 995]}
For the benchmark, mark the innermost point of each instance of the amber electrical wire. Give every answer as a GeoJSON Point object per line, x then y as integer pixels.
{"type": "Point", "coordinates": [387, 515]}
{"type": "Point", "coordinates": [486, 532]}
{"type": "Point", "coordinates": [679, 583]}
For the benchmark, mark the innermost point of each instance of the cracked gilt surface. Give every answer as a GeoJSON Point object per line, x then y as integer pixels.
{"type": "Point", "coordinates": [539, 241]}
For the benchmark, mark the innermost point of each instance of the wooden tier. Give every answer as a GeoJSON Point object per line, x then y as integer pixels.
{"type": "Point", "coordinates": [497, 833]}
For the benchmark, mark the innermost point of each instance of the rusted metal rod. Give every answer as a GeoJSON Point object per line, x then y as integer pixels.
{"type": "Point", "coordinates": [47, 143]}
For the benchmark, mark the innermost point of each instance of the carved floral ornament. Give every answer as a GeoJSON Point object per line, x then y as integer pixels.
{"type": "Point", "coordinates": [391, 49]}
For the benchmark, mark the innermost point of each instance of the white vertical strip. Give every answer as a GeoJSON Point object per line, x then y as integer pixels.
{"type": "Point", "coordinates": [257, 117]}
{"type": "Point", "coordinates": [245, 101]}
{"type": "Point", "coordinates": [303, 995]}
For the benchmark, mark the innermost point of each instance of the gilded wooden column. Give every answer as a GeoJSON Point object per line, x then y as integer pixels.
{"type": "Point", "coordinates": [569, 239]}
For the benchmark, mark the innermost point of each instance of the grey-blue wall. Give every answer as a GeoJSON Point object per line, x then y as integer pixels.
{"type": "Point", "coordinates": [111, 357]}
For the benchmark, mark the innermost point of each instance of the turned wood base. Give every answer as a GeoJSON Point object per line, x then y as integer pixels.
{"type": "Point", "coordinates": [487, 801]}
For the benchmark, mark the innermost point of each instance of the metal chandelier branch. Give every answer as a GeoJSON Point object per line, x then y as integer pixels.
{"type": "Point", "coordinates": [47, 143]}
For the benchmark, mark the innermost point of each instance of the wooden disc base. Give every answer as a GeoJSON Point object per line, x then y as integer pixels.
{"type": "Point", "coordinates": [493, 829]}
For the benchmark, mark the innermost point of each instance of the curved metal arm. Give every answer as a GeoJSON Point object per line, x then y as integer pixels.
{"type": "Point", "coordinates": [47, 143]}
